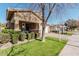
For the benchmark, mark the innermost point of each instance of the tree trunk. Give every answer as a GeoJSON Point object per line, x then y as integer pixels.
{"type": "Point", "coordinates": [43, 32]}
{"type": "Point", "coordinates": [43, 22]}
{"type": "Point", "coordinates": [44, 19]}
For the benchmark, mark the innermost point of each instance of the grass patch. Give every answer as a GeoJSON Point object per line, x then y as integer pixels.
{"type": "Point", "coordinates": [68, 33]}
{"type": "Point", "coordinates": [51, 47]}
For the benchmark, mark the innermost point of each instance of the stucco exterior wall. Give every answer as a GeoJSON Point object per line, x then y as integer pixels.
{"type": "Point", "coordinates": [27, 17]}
{"type": "Point", "coordinates": [24, 16]}
{"type": "Point", "coordinates": [47, 29]}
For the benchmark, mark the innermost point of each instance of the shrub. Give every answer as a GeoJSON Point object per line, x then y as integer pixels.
{"type": "Point", "coordinates": [32, 35]}
{"type": "Point", "coordinates": [22, 36]}
{"type": "Point", "coordinates": [4, 38]}
{"type": "Point", "coordinates": [28, 36]}
{"type": "Point", "coordinates": [11, 31]}
{"type": "Point", "coordinates": [8, 31]}
{"type": "Point", "coordinates": [36, 35]}
{"type": "Point", "coordinates": [5, 31]}
{"type": "Point", "coordinates": [15, 38]}
{"type": "Point", "coordinates": [55, 31]}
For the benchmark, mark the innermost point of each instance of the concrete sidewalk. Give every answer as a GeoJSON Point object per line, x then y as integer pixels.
{"type": "Point", "coordinates": [72, 47]}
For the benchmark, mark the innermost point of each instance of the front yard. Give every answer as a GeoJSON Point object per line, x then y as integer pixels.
{"type": "Point", "coordinates": [51, 47]}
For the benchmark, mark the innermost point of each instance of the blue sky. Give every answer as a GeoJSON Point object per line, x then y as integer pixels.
{"type": "Point", "coordinates": [69, 13]}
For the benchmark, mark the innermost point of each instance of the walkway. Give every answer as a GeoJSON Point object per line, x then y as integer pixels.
{"type": "Point", "coordinates": [72, 47]}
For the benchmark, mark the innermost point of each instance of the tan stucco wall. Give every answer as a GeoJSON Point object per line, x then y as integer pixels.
{"type": "Point", "coordinates": [29, 17]}
{"type": "Point", "coordinates": [22, 16]}
{"type": "Point", "coordinates": [47, 29]}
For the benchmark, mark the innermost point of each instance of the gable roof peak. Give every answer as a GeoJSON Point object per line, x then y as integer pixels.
{"type": "Point", "coordinates": [18, 9]}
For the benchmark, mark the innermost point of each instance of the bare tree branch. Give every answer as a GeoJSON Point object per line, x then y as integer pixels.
{"type": "Point", "coordinates": [50, 12]}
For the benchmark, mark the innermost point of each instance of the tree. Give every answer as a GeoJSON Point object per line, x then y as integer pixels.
{"type": "Point", "coordinates": [71, 24]}
{"type": "Point", "coordinates": [46, 10]}
{"type": "Point", "coordinates": [78, 25]}
{"type": "Point", "coordinates": [45, 19]}
{"type": "Point", "coordinates": [51, 8]}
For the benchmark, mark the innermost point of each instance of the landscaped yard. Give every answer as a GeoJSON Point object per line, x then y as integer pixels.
{"type": "Point", "coordinates": [51, 47]}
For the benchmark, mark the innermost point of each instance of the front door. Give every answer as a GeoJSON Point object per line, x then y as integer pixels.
{"type": "Point", "coordinates": [27, 27]}
{"type": "Point", "coordinates": [23, 27]}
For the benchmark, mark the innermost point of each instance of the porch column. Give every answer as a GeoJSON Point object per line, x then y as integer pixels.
{"type": "Point", "coordinates": [16, 25]}
{"type": "Point", "coordinates": [40, 29]}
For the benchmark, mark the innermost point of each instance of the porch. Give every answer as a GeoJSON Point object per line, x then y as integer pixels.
{"type": "Point", "coordinates": [27, 26]}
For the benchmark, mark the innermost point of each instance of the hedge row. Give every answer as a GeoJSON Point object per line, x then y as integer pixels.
{"type": "Point", "coordinates": [4, 38]}
{"type": "Point", "coordinates": [14, 37]}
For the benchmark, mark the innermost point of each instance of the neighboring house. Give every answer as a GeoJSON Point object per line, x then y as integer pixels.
{"type": "Point", "coordinates": [47, 29]}
{"type": "Point", "coordinates": [77, 25]}
{"type": "Point", "coordinates": [21, 19]}
{"type": "Point", "coordinates": [54, 28]}
{"type": "Point", "coordinates": [59, 28]}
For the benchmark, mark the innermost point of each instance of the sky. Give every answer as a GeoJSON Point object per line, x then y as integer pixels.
{"type": "Point", "coordinates": [69, 13]}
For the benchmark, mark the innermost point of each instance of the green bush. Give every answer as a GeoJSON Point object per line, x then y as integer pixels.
{"type": "Point", "coordinates": [55, 31]}
{"type": "Point", "coordinates": [5, 31]}
{"type": "Point", "coordinates": [32, 35]}
{"type": "Point", "coordinates": [22, 36]}
{"type": "Point", "coordinates": [28, 36]}
{"type": "Point", "coordinates": [36, 35]}
{"type": "Point", "coordinates": [4, 38]}
{"type": "Point", "coordinates": [15, 38]}
{"type": "Point", "coordinates": [8, 31]}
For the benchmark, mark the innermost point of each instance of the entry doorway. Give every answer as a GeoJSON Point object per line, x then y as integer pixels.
{"type": "Point", "coordinates": [29, 26]}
